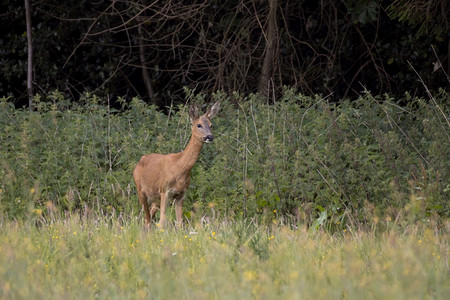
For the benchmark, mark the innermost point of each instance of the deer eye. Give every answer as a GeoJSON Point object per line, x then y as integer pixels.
{"type": "Point", "coordinates": [199, 126]}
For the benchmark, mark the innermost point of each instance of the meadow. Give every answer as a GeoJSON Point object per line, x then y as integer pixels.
{"type": "Point", "coordinates": [295, 199]}
{"type": "Point", "coordinates": [112, 258]}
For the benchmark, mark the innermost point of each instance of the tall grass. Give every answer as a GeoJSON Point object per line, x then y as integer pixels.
{"type": "Point", "coordinates": [112, 258]}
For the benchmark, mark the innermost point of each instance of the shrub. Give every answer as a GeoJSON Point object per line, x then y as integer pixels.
{"type": "Point", "coordinates": [300, 159]}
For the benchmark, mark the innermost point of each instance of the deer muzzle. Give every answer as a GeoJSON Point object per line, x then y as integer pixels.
{"type": "Point", "coordinates": [208, 138]}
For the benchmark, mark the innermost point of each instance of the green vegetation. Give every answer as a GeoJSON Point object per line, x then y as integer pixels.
{"type": "Point", "coordinates": [301, 159]}
{"type": "Point", "coordinates": [112, 258]}
{"type": "Point", "coordinates": [299, 199]}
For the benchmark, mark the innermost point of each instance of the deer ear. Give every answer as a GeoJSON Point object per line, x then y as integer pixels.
{"type": "Point", "coordinates": [212, 111]}
{"type": "Point", "coordinates": [193, 112]}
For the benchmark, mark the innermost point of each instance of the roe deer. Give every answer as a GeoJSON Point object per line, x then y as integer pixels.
{"type": "Point", "coordinates": [160, 178]}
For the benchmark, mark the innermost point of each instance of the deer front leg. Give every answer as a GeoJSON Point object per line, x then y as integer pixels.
{"type": "Point", "coordinates": [179, 210]}
{"type": "Point", "coordinates": [162, 213]}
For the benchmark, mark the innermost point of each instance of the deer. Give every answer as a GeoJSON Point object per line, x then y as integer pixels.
{"type": "Point", "coordinates": [160, 178]}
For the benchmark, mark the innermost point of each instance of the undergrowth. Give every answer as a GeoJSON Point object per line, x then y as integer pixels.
{"type": "Point", "coordinates": [302, 160]}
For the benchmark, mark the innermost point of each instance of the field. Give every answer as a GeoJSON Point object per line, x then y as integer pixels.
{"type": "Point", "coordinates": [103, 258]}
{"type": "Point", "coordinates": [298, 199]}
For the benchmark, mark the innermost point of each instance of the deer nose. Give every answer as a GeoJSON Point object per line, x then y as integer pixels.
{"type": "Point", "coordinates": [208, 138]}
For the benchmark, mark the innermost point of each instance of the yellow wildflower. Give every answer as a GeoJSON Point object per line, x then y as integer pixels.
{"type": "Point", "coordinates": [249, 275]}
{"type": "Point", "coordinates": [293, 274]}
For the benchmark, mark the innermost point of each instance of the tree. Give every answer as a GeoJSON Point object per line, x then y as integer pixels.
{"type": "Point", "coordinates": [30, 55]}
{"type": "Point", "coordinates": [271, 39]}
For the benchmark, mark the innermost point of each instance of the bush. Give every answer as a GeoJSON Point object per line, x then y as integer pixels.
{"type": "Point", "coordinates": [297, 160]}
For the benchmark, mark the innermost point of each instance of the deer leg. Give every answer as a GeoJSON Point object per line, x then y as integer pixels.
{"type": "Point", "coordinates": [144, 203]}
{"type": "Point", "coordinates": [162, 213]}
{"type": "Point", "coordinates": [153, 210]}
{"type": "Point", "coordinates": [179, 210]}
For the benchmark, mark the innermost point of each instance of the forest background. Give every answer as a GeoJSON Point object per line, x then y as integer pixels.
{"type": "Point", "coordinates": [152, 49]}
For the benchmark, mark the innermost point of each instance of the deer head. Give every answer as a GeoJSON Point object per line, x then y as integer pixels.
{"type": "Point", "coordinates": [201, 125]}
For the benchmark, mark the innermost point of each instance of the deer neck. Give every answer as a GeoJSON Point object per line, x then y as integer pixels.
{"type": "Point", "coordinates": [190, 155]}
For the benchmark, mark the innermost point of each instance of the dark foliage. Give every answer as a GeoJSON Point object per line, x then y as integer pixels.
{"type": "Point", "coordinates": [338, 47]}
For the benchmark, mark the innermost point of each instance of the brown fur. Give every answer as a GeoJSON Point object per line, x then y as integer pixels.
{"type": "Point", "coordinates": [160, 178]}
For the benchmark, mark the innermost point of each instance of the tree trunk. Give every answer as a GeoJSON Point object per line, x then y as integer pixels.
{"type": "Point", "coordinates": [30, 55]}
{"type": "Point", "coordinates": [145, 75]}
{"type": "Point", "coordinates": [271, 48]}
{"type": "Point", "coordinates": [448, 58]}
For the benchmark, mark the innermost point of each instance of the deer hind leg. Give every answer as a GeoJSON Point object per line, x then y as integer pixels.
{"type": "Point", "coordinates": [144, 203]}
{"type": "Point", "coordinates": [179, 209]}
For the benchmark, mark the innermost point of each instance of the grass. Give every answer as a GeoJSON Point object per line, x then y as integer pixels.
{"type": "Point", "coordinates": [115, 258]}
